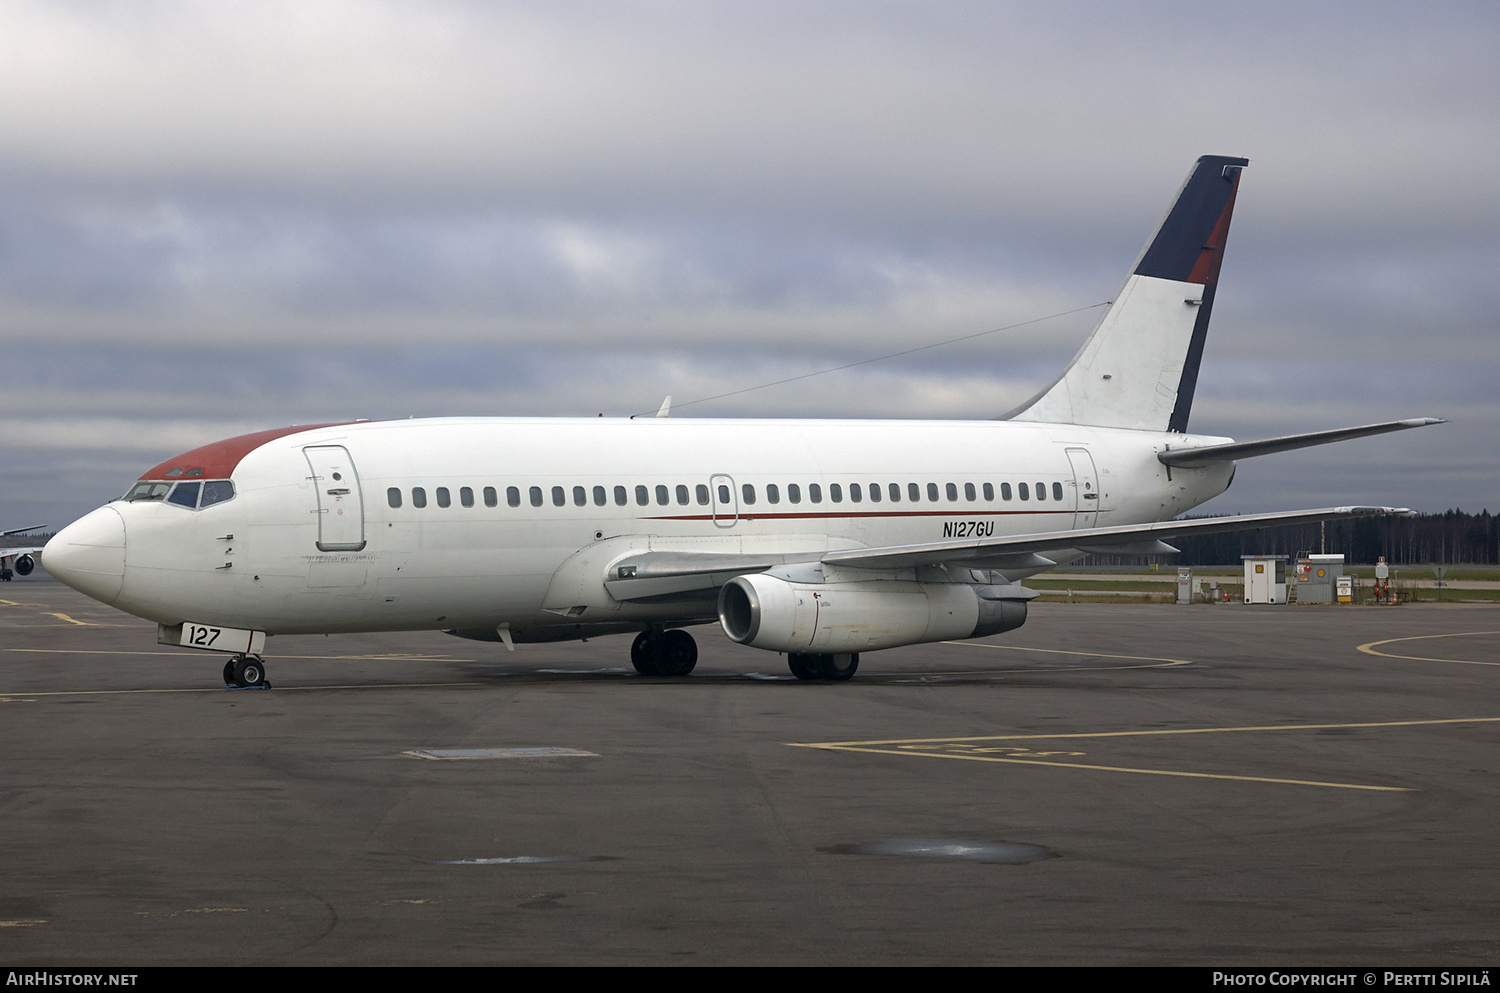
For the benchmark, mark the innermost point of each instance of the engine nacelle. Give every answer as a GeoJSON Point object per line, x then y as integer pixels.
{"type": "Point", "coordinates": [24, 565]}
{"type": "Point", "coordinates": [780, 616]}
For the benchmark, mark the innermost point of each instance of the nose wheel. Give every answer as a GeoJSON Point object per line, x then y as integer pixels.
{"type": "Point", "coordinates": [244, 672]}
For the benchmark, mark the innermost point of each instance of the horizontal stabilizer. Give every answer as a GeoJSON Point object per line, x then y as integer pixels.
{"type": "Point", "coordinates": [982, 552]}
{"type": "Point", "coordinates": [1192, 458]}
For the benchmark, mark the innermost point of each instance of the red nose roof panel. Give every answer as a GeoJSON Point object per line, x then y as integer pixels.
{"type": "Point", "coordinates": [217, 461]}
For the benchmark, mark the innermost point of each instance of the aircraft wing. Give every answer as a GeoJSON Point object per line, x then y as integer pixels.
{"type": "Point", "coordinates": [681, 576]}
{"type": "Point", "coordinates": [11, 553]}
{"type": "Point", "coordinates": [1125, 539]}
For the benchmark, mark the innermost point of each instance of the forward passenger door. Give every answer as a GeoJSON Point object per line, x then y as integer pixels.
{"type": "Point", "coordinates": [339, 504]}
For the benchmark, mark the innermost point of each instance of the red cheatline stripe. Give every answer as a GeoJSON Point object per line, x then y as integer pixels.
{"type": "Point", "coordinates": [910, 513]}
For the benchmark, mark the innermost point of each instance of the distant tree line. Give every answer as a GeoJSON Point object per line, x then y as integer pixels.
{"type": "Point", "coordinates": [1450, 538]}
{"type": "Point", "coordinates": [25, 540]}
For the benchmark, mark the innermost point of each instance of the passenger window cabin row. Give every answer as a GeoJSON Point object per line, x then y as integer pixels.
{"type": "Point", "coordinates": [699, 494]}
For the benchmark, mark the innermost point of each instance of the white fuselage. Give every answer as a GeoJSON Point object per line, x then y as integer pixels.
{"type": "Point", "coordinates": [255, 561]}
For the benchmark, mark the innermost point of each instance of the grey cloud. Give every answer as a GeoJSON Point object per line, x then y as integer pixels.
{"type": "Point", "coordinates": [228, 215]}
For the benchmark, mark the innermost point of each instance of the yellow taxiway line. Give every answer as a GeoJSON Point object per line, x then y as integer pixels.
{"type": "Point", "coordinates": [65, 617]}
{"type": "Point", "coordinates": [944, 748]}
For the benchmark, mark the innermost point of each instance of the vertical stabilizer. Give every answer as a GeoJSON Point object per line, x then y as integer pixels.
{"type": "Point", "coordinates": [1140, 366]}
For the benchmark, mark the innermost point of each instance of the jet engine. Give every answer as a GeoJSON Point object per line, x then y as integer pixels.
{"type": "Point", "coordinates": [24, 564]}
{"type": "Point", "coordinates": [779, 615]}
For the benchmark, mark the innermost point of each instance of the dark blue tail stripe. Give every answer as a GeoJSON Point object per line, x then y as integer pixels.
{"type": "Point", "coordinates": [1189, 383]}
{"type": "Point", "coordinates": [1182, 236]}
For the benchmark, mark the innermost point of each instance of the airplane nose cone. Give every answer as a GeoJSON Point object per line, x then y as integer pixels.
{"type": "Point", "coordinates": [89, 554]}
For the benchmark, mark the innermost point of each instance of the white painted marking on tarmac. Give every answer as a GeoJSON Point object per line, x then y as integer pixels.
{"type": "Point", "coordinates": [456, 754]}
{"type": "Point", "coordinates": [1007, 853]}
{"type": "Point", "coordinates": [1370, 648]}
{"type": "Point", "coordinates": [613, 671]}
{"type": "Point", "coordinates": [178, 654]}
{"type": "Point", "coordinates": [520, 860]}
{"type": "Point", "coordinates": [1155, 662]}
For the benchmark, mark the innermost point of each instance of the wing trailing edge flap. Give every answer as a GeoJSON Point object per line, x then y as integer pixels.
{"type": "Point", "coordinates": [991, 552]}
{"type": "Point", "coordinates": [1192, 458]}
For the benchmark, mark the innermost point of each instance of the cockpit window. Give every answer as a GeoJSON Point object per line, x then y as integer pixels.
{"type": "Point", "coordinates": [216, 491]}
{"type": "Point", "coordinates": [154, 490]}
{"type": "Point", "coordinates": [193, 495]}
{"type": "Point", "coordinates": [185, 495]}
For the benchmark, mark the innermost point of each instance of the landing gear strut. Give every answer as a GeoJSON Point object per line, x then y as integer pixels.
{"type": "Point", "coordinates": [245, 671]}
{"type": "Point", "coordinates": [664, 653]}
{"type": "Point", "coordinates": [829, 668]}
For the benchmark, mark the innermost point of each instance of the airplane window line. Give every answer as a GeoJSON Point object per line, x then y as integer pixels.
{"type": "Point", "coordinates": [665, 494]}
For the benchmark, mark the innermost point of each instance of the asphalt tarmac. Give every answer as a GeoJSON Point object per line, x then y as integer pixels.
{"type": "Point", "coordinates": [1111, 784]}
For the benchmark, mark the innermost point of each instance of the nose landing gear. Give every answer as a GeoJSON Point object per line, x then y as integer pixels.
{"type": "Point", "coordinates": [246, 672]}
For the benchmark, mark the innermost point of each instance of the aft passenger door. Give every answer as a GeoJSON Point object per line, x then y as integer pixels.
{"type": "Point", "coordinates": [1085, 488]}
{"type": "Point", "coordinates": [339, 505]}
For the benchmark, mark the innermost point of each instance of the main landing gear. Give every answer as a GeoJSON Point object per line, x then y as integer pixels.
{"type": "Point", "coordinates": [829, 668]}
{"type": "Point", "coordinates": [664, 653]}
{"type": "Point", "coordinates": [244, 672]}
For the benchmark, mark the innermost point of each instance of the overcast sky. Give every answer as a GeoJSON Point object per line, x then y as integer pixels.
{"type": "Point", "coordinates": [217, 218]}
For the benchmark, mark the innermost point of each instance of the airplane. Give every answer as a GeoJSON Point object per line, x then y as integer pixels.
{"type": "Point", "coordinates": [817, 539]}
{"type": "Point", "coordinates": [18, 561]}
